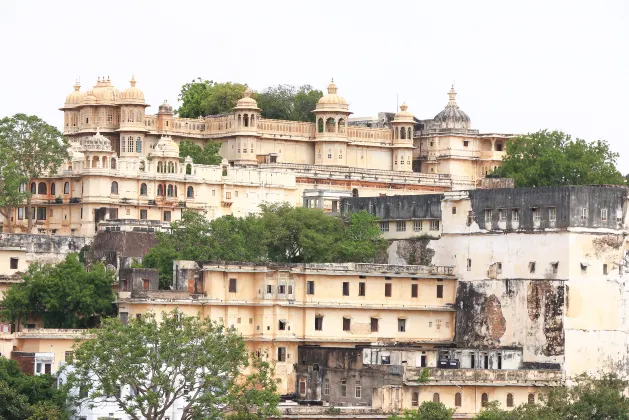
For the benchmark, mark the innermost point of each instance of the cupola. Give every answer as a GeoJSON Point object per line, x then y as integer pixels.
{"type": "Point", "coordinates": [452, 116]}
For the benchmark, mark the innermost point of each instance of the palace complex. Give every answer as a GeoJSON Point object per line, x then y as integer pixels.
{"type": "Point", "coordinates": [125, 165]}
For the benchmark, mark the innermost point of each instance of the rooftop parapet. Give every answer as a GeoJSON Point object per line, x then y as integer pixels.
{"type": "Point", "coordinates": [514, 377]}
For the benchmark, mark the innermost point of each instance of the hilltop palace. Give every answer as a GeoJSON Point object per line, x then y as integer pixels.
{"type": "Point", "coordinates": [125, 166]}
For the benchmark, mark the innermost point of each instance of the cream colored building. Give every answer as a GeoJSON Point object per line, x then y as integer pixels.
{"type": "Point", "coordinates": [125, 164]}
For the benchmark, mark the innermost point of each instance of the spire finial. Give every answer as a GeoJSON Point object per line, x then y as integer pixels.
{"type": "Point", "coordinates": [332, 88]}
{"type": "Point", "coordinates": [98, 131]}
{"type": "Point", "coordinates": [452, 97]}
{"type": "Point", "coordinates": [247, 93]}
{"type": "Point", "coordinates": [132, 81]}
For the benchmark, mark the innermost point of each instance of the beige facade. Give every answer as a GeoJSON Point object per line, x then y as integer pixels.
{"type": "Point", "coordinates": [125, 164]}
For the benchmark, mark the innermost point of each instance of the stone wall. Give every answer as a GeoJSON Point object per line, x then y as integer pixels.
{"type": "Point", "coordinates": [120, 249]}
{"type": "Point", "coordinates": [43, 248]}
{"type": "Point", "coordinates": [132, 279]}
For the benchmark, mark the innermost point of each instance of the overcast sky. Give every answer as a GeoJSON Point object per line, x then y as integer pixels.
{"type": "Point", "coordinates": [517, 66]}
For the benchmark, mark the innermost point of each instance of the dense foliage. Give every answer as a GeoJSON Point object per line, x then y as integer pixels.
{"type": "Point", "coordinates": [280, 233]}
{"type": "Point", "coordinates": [205, 97]}
{"type": "Point", "coordinates": [287, 102]}
{"type": "Point", "coordinates": [427, 411]}
{"type": "Point", "coordinates": [28, 148]}
{"type": "Point", "coordinates": [207, 155]}
{"type": "Point", "coordinates": [65, 295]}
{"type": "Point", "coordinates": [552, 158]}
{"type": "Point", "coordinates": [177, 357]}
{"type": "Point", "coordinates": [28, 397]}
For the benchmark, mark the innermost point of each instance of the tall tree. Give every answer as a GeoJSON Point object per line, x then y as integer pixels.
{"type": "Point", "coordinates": [552, 158]}
{"type": "Point", "coordinates": [205, 97]}
{"type": "Point", "coordinates": [176, 358]}
{"type": "Point", "coordinates": [362, 240]}
{"type": "Point", "coordinates": [36, 148]}
{"type": "Point", "coordinates": [287, 102]}
{"type": "Point", "coordinates": [65, 295]}
{"type": "Point", "coordinates": [207, 155]}
{"type": "Point", "coordinates": [12, 185]}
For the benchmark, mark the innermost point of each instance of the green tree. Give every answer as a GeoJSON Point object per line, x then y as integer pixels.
{"type": "Point", "coordinates": [177, 357]}
{"type": "Point", "coordinates": [13, 405]}
{"type": "Point", "coordinates": [65, 295]}
{"type": "Point", "coordinates": [11, 195]}
{"type": "Point", "coordinates": [427, 411]}
{"type": "Point", "coordinates": [287, 102]}
{"type": "Point", "coordinates": [35, 147]}
{"type": "Point", "coordinates": [552, 158]}
{"type": "Point", "coordinates": [362, 240]}
{"type": "Point", "coordinates": [207, 155]}
{"type": "Point", "coordinates": [205, 97]}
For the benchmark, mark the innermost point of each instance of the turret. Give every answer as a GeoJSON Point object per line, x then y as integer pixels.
{"type": "Point", "coordinates": [331, 114]}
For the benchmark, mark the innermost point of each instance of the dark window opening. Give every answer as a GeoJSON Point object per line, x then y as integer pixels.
{"type": "Point", "coordinates": [346, 324]}
{"type": "Point", "coordinates": [281, 354]}
{"type": "Point", "coordinates": [318, 323]}
{"type": "Point", "coordinates": [361, 289]}
{"type": "Point", "coordinates": [345, 288]}
{"type": "Point", "coordinates": [374, 324]}
{"type": "Point", "coordinates": [282, 325]}
{"type": "Point", "coordinates": [387, 290]}
{"type": "Point", "coordinates": [440, 291]}
{"type": "Point", "coordinates": [310, 288]}
{"type": "Point", "coordinates": [414, 290]}
{"type": "Point", "coordinates": [401, 325]}
{"type": "Point", "coordinates": [14, 263]}
{"type": "Point", "coordinates": [232, 285]}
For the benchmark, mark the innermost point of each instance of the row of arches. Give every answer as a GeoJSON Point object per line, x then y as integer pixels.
{"type": "Point", "coordinates": [169, 167]}
{"type": "Point", "coordinates": [402, 133]}
{"type": "Point", "coordinates": [131, 116]}
{"type": "Point", "coordinates": [458, 399]}
{"type": "Point", "coordinates": [42, 188]}
{"type": "Point", "coordinates": [97, 162]}
{"type": "Point", "coordinates": [331, 125]}
{"type": "Point", "coordinates": [247, 120]}
{"type": "Point", "coordinates": [169, 190]}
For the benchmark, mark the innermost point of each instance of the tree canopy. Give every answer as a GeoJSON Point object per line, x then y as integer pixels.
{"type": "Point", "coordinates": [28, 397]}
{"type": "Point", "coordinates": [548, 158]}
{"type": "Point", "coordinates": [147, 365]}
{"type": "Point", "coordinates": [586, 399]}
{"type": "Point", "coordinates": [28, 148]}
{"type": "Point", "coordinates": [207, 155]}
{"type": "Point", "coordinates": [287, 102]}
{"type": "Point", "coordinates": [65, 295]}
{"type": "Point", "coordinates": [280, 233]}
{"type": "Point", "coordinates": [206, 97]}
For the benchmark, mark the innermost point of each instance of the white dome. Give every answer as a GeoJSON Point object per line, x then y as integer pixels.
{"type": "Point", "coordinates": [96, 143]}
{"type": "Point", "coordinates": [166, 147]}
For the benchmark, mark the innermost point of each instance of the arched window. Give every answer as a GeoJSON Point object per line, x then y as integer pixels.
{"type": "Point", "coordinates": [95, 161]}
{"type": "Point", "coordinates": [66, 188]}
{"type": "Point", "coordinates": [397, 133]}
{"type": "Point", "coordinates": [113, 163]}
{"type": "Point", "coordinates": [143, 189]}
{"type": "Point", "coordinates": [415, 399]}
{"type": "Point", "coordinates": [484, 399]}
{"type": "Point", "coordinates": [410, 136]}
{"type": "Point", "coordinates": [42, 189]}
{"type": "Point", "coordinates": [435, 397]}
{"type": "Point", "coordinates": [342, 125]}
{"type": "Point", "coordinates": [160, 190]}
{"type": "Point", "coordinates": [531, 398]}
{"type": "Point", "coordinates": [320, 125]}
{"type": "Point", "coordinates": [104, 161]}
{"type": "Point", "coordinates": [355, 193]}
{"type": "Point", "coordinates": [509, 400]}
{"type": "Point", "coordinates": [138, 145]}
{"type": "Point", "coordinates": [53, 189]}
{"type": "Point", "coordinates": [245, 120]}
{"type": "Point", "coordinates": [114, 187]}
{"type": "Point", "coordinates": [402, 133]}
{"type": "Point", "coordinates": [169, 190]}
{"type": "Point", "coordinates": [142, 165]}
{"type": "Point", "coordinates": [171, 168]}
{"type": "Point", "coordinates": [190, 192]}
{"type": "Point", "coordinates": [33, 188]}
{"type": "Point", "coordinates": [457, 399]}
{"type": "Point", "coordinates": [159, 167]}
{"type": "Point", "coordinates": [330, 125]}
{"type": "Point", "coordinates": [188, 169]}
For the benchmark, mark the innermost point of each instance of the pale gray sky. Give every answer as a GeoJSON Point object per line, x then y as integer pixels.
{"type": "Point", "coordinates": [518, 66]}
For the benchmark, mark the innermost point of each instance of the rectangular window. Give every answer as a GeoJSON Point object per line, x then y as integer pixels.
{"type": "Point", "coordinates": [228, 195]}
{"type": "Point", "coordinates": [401, 325]}
{"type": "Point", "coordinates": [584, 213]}
{"type": "Point", "coordinates": [343, 388]}
{"type": "Point", "coordinates": [281, 325]}
{"type": "Point", "coordinates": [166, 216]}
{"type": "Point", "coordinates": [417, 225]}
{"type": "Point", "coordinates": [605, 269]}
{"type": "Point", "coordinates": [414, 290]}
{"type": "Point", "coordinates": [434, 225]}
{"type": "Point", "coordinates": [453, 210]}
{"type": "Point", "coordinates": [499, 268]}
{"type": "Point", "coordinates": [502, 215]}
{"type": "Point", "coordinates": [281, 354]}
{"type": "Point", "coordinates": [13, 262]}
{"type": "Point", "coordinates": [41, 213]}
{"type": "Point", "coordinates": [232, 285]}
{"type": "Point", "coordinates": [384, 226]}
{"type": "Point", "coordinates": [358, 390]}
{"type": "Point", "coordinates": [537, 217]}
{"type": "Point", "coordinates": [555, 267]}
{"type": "Point", "coordinates": [361, 288]}
{"type": "Point", "coordinates": [345, 288]}
{"type": "Point", "coordinates": [20, 213]}
{"type": "Point", "coordinates": [302, 386]}
{"type": "Point", "coordinates": [326, 387]}
{"type": "Point", "coordinates": [143, 214]}
{"type": "Point", "coordinates": [603, 215]}
{"type": "Point", "coordinates": [387, 290]}
{"type": "Point", "coordinates": [318, 323]}
{"type": "Point", "coordinates": [124, 318]}
{"type": "Point", "coordinates": [552, 214]}
{"type": "Point", "coordinates": [281, 289]}
{"type": "Point", "coordinates": [487, 215]}
{"type": "Point", "coordinates": [374, 324]}
{"type": "Point", "coordinates": [440, 291]}
{"type": "Point", "coordinates": [466, 143]}
{"type": "Point", "coordinates": [269, 289]}
{"type": "Point", "coordinates": [310, 288]}
{"type": "Point", "coordinates": [469, 264]}
{"type": "Point", "coordinates": [347, 323]}
{"type": "Point", "coordinates": [38, 368]}
{"type": "Point", "coordinates": [400, 225]}
{"type": "Point", "coordinates": [532, 267]}
{"type": "Point", "coordinates": [515, 215]}
{"type": "Point", "coordinates": [68, 356]}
